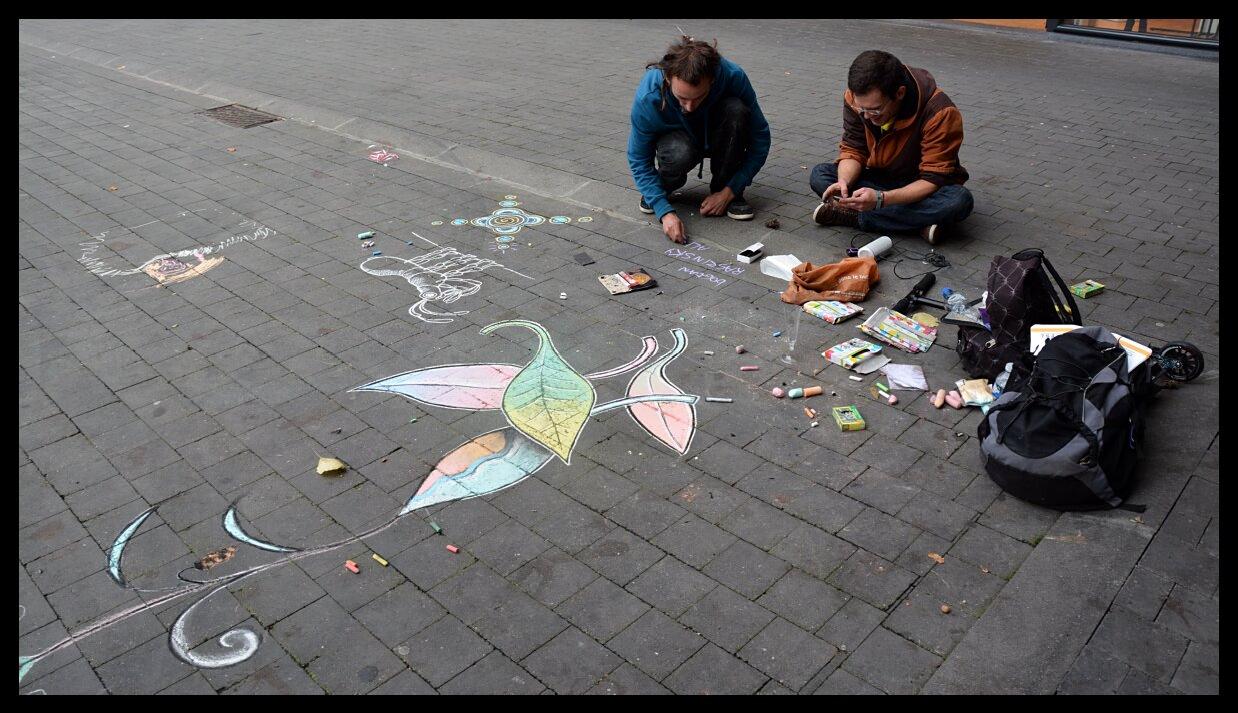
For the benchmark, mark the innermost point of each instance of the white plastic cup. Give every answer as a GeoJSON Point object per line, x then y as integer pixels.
{"type": "Point", "coordinates": [876, 248]}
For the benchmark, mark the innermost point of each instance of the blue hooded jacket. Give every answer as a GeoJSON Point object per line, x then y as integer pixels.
{"type": "Point", "coordinates": [650, 120]}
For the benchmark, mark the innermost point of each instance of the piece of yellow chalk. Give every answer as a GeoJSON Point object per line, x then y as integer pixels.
{"type": "Point", "coordinates": [378, 559]}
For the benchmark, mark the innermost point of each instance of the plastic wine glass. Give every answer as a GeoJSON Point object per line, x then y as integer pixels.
{"type": "Point", "coordinates": [792, 335]}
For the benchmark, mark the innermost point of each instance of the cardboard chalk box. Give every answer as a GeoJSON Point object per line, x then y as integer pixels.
{"type": "Point", "coordinates": [750, 254]}
{"type": "Point", "coordinates": [848, 418]}
{"type": "Point", "coordinates": [1086, 289]}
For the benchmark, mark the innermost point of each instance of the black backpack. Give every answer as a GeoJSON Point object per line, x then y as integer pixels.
{"type": "Point", "coordinates": [1067, 435]}
{"type": "Point", "coordinates": [1020, 294]}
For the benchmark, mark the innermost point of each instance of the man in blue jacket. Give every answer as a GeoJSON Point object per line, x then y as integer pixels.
{"type": "Point", "coordinates": [690, 105]}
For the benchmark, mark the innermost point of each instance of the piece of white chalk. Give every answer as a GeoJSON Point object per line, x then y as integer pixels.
{"type": "Point", "coordinates": [707, 353]}
{"type": "Point", "coordinates": [717, 400]}
{"type": "Point", "coordinates": [855, 378]}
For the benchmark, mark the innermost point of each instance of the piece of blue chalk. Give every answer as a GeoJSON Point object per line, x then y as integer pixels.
{"type": "Point", "coordinates": [366, 234]}
{"type": "Point", "coordinates": [378, 252]}
{"type": "Point", "coordinates": [777, 334]}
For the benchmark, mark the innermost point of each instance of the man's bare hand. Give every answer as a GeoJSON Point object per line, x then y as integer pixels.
{"type": "Point", "coordinates": [836, 189]}
{"type": "Point", "coordinates": [673, 227]}
{"type": "Point", "coordinates": [862, 200]}
{"type": "Point", "coordinates": [716, 203]}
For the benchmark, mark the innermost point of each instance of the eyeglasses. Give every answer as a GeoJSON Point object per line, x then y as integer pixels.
{"type": "Point", "coordinates": [870, 112]}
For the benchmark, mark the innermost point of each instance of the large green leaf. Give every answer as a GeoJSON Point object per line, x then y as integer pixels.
{"type": "Point", "coordinates": [548, 401]}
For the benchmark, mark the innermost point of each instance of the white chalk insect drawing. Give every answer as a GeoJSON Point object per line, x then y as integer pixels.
{"type": "Point", "coordinates": [438, 276]}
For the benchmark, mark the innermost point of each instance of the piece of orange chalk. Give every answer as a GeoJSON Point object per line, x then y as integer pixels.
{"type": "Point", "coordinates": [939, 399]}
{"type": "Point", "coordinates": [812, 391]}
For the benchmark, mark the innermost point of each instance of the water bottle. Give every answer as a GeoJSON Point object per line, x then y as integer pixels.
{"type": "Point", "coordinates": [999, 384]}
{"type": "Point", "coordinates": [956, 300]}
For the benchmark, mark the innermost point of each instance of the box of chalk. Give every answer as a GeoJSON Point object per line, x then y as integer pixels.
{"type": "Point", "coordinates": [848, 418]}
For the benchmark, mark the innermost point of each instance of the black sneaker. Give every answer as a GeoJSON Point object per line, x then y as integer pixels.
{"type": "Point", "coordinates": [740, 210]}
{"type": "Point", "coordinates": [831, 213]}
{"type": "Point", "coordinates": [644, 207]}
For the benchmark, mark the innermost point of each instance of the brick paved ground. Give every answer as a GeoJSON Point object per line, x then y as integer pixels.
{"type": "Point", "coordinates": [772, 558]}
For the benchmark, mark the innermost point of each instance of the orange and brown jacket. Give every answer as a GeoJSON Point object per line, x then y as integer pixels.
{"type": "Point", "coordinates": [923, 143]}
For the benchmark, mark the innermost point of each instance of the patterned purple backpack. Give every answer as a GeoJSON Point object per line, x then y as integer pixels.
{"type": "Point", "coordinates": [1021, 294]}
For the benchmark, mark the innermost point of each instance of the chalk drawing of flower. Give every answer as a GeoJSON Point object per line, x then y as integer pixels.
{"type": "Point", "coordinates": [546, 404]}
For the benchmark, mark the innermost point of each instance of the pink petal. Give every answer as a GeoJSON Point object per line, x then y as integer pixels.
{"type": "Point", "coordinates": [462, 386]}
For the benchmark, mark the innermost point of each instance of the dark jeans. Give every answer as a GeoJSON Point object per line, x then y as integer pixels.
{"type": "Point", "coordinates": [729, 137]}
{"type": "Point", "coordinates": [948, 204]}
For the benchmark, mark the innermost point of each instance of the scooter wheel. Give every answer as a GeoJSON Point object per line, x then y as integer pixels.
{"type": "Point", "coordinates": [1181, 361]}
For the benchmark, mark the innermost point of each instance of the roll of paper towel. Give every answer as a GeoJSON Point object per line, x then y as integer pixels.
{"type": "Point", "coordinates": [876, 248]}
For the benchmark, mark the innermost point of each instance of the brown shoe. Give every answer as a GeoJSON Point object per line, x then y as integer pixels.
{"type": "Point", "coordinates": [933, 234]}
{"type": "Point", "coordinates": [830, 213]}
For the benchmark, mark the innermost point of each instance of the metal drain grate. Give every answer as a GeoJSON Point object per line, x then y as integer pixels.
{"type": "Point", "coordinates": [239, 116]}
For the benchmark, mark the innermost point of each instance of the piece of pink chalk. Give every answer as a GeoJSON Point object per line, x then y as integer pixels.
{"type": "Point", "coordinates": [740, 349]}
{"type": "Point", "coordinates": [954, 399]}
{"type": "Point", "coordinates": [453, 549]}
{"type": "Point", "coordinates": [778, 392]}
{"type": "Point", "coordinates": [892, 400]}
{"type": "Point", "coordinates": [749, 368]}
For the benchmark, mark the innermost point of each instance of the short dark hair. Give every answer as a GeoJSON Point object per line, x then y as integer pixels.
{"type": "Point", "coordinates": [874, 68]}
{"type": "Point", "coordinates": [690, 60]}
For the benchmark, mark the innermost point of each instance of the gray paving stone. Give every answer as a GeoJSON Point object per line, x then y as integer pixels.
{"type": "Point", "coordinates": [444, 649]}
{"type": "Point", "coordinates": [746, 569]}
{"type": "Point", "coordinates": [552, 577]}
{"type": "Point", "coordinates": [1146, 646]}
{"type": "Point", "coordinates": [671, 586]}
{"type": "Point", "coordinates": [842, 683]}
{"type": "Point", "coordinates": [1199, 671]}
{"type": "Point", "coordinates": [645, 513]}
{"type": "Point", "coordinates": [813, 550]}
{"type": "Point", "coordinates": [602, 609]}
{"type": "Point", "coordinates": [787, 654]}
{"type": "Point", "coordinates": [405, 683]}
{"type": "Point", "coordinates": [759, 524]}
{"type": "Point", "coordinates": [519, 625]}
{"type": "Point", "coordinates": [627, 679]}
{"type": "Point", "coordinates": [726, 618]}
{"type": "Point", "coordinates": [891, 663]}
{"type": "Point", "coordinates": [655, 644]}
{"type": "Point", "coordinates": [146, 669]}
{"type": "Point", "coordinates": [992, 550]}
{"type": "Point", "coordinates": [494, 675]}
{"type": "Point", "coordinates": [1094, 672]}
{"type": "Point", "coordinates": [620, 556]}
{"type": "Point", "coordinates": [803, 600]}
{"type": "Point", "coordinates": [283, 677]}
{"type": "Point", "coordinates": [712, 671]}
{"type": "Point", "coordinates": [571, 662]}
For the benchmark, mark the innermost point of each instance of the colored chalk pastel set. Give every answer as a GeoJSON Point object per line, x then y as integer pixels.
{"type": "Point", "coordinates": [832, 311]}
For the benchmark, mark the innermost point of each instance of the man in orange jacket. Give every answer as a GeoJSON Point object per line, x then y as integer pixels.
{"type": "Point", "coordinates": [898, 165]}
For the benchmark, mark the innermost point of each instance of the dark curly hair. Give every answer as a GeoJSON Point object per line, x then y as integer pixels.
{"type": "Point", "coordinates": [690, 60]}
{"type": "Point", "coordinates": [874, 68]}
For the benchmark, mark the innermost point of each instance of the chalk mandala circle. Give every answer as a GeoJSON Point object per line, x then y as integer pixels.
{"type": "Point", "coordinates": [510, 198]}
{"type": "Point", "coordinates": [459, 221]}
{"type": "Point", "coordinates": [560, 219]}
{"type": "Point", "coordinates": [504, 239]}
{"type": "Point", "coordinates": [585, 219]}
{"type": "Point", "coordinates": [508, 220]}
{"type": "Point", "coordinates": [508, 204]}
